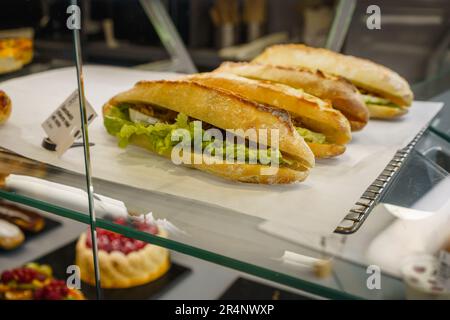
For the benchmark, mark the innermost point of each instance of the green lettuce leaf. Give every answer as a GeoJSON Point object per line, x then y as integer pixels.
{"type": "Point", "coordinates": [369, 99]}
{"type": "Point", "coordinates": [161, 135]}
{"type": "Point", "coordinates": [310, 136]}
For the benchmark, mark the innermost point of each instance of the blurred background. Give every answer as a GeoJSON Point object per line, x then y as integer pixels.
{"type": "Point", "coordinates": [413, 40]}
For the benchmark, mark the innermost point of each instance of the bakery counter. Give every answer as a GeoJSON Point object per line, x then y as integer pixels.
{"type": "Point", "coordinates": [141, 224]}
{"type": "Point", "coordinates": [124, 178]}
{"type": "Point", "coordinates": [233, 242]}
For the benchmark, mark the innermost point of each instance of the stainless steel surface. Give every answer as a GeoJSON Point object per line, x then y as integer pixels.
{"type": "Point", "coordinates": [362, 208]}
{"type": "Point", "coordinates": [440, 157]}
{"type": "Point", "coordinates": [181, 61]}
{"type": "Point", "coordinates": [341, 23]}
{"type": "Point", "coordinates": [435, 149]}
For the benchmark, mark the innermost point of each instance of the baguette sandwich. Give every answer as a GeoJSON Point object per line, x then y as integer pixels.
{"type": "Point", "coordinates": [341, 93]}
{"type": "Point", "coordinates": [386, 94]}
{"type": "Point", "coordinates": [325, 129]}
{"type": "Point", "coordinates": [149, 114]}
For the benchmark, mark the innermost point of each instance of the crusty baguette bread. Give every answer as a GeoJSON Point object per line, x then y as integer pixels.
{"type": "Point", "coordinates": [384, 112]}
{"type": "Point", "coordinates": [323, 151]}
{"type": "Point", "coordinates": [225, 111]}
{"type": "Point", "coordinates": [221, 109]}
{"type": "Point", "coordinates": [310, 110]}
{"type": "Point", "coordinates": [341, 93]}
{"type": "Point", "coordinates": [249, 173]}
{"type": "Point", "coordinates": [363, 73]}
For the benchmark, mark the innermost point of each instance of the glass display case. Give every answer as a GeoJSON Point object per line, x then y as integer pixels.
{"type": "Point", "coordinates": [146, 204]}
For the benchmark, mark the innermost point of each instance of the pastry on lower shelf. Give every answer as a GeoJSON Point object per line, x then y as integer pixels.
{"type": "Point", "coordinates": [35, 282]}
{"type": "Point", "coordinates": [5, 107]}
{"type": "Point", "coordinates": [15, 53]}
{"type": "Point", "coordinates": [124, 262]}
{"type": "Point", "coordinates": [11, 163]}
{"type": "Point", "coordinates": [24, 218]}
{"type": "Point", "coordinates": [10, 235]}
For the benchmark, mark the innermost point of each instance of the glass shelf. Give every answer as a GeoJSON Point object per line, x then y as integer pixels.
{"type": "Point", "coordinates": [222, 236]}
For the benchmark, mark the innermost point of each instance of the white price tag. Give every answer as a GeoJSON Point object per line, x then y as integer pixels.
{"type": "Point", "coordinates": [63, 126]}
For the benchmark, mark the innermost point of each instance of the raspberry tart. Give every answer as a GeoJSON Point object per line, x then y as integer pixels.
{"type": "Point", "coordinates": [35, 282]}
{"type": "Point", "coordinates": [124, 262]}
